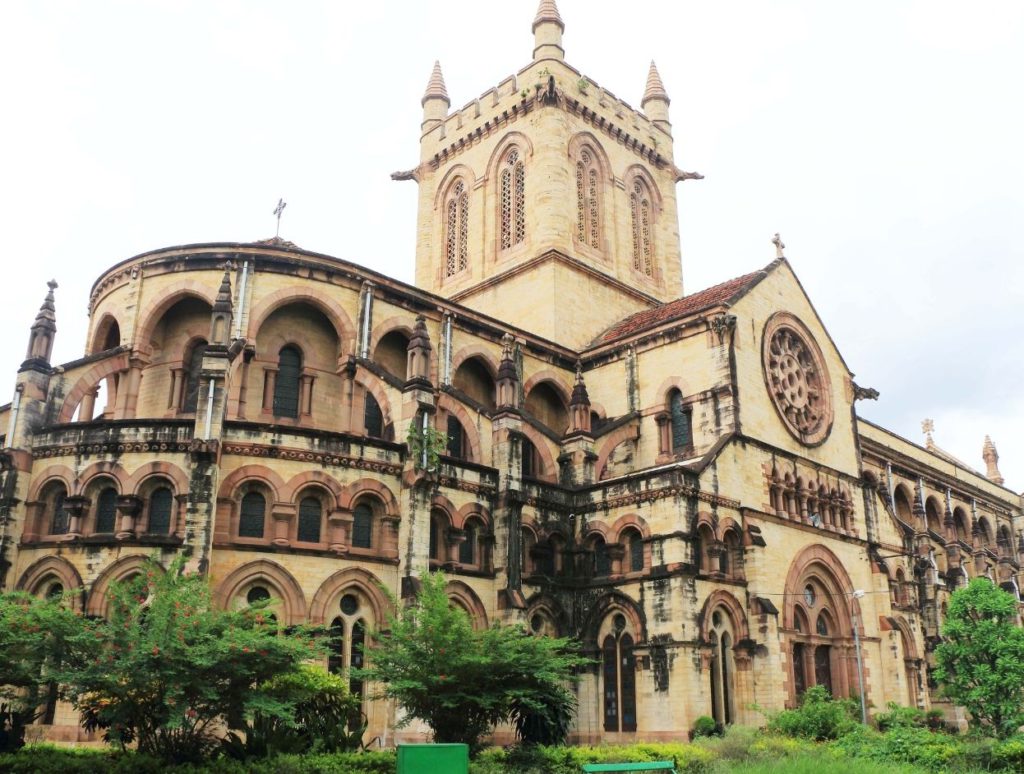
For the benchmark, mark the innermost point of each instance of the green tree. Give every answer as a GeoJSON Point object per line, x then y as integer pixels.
{"type": "Point", "coordinates": [34, 644]}
{"type": "Point", "coordinates": [461, 681]}
{"type": "Point", "coordinates": [981, 660]}
{"type": "Point", "coordinates": [167, 666]}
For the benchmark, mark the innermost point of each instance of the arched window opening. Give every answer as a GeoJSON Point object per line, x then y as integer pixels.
{"type": "Point", "coordinates": [705, 546]}
{"type": "Point", "coordinates": [984, 533]}
{"type": "Point", "coordinates": [723, 668]}
{"type": "Point", "coordinates": [392, 353]}
{"type": "Point", "coordinates": [257, 594]}
{"type": "Point", "coordinates": [251, 517]}
{"type": "Point", "coordinates": [902, 504]}
{"type": "Point", "coordinates": [193, 374]}
{"type": "Point", "coordinates": [732, 561]}
{"type": "Point", "coordinates": [112, 336]}
{"type": "Point", "coordinates": [160, 505]}
{"type": "Point", "coordinates": [348, 641]}
{"type": "Point", "coordinates": [513, 200]}
{"type": "Point", "coordinates": [527, 541]}
{"type": "Point", "coordinates": [799, 668]}
{"type": "Point", "coordinates": [680, 416]}
{"type": "Point", "coordinates": [960, 522]}
{"type": "Point", "coordinates": [457, 442]}
{"type": "Point", "coordinates": [545, 404]}
{"type": "Point", "coordinates": [635, 543]}
{"type": "Point", "coordinates": [59, 519]}
{"type": "Point", "coordinates": [438, 536]}
{"type": "Point", "coordinates": [931, 510]}
{"type": "Point", "coordinates": [456, 246]}
{"type": "Point", "coordinates": [310, 515]}
{"type": "Point", "coordinates": [532, 467]}
{"type": "Point", "coordinates": [362, 526]}
{"type": "Point", "coordinates": [602, 559]}
{"type": "Point", "coordinates": [619, 676]}
{"type": "Point", "coordinates": [473, 379]}
{"type": "Point", "coordinates": [106, 511]}
{"type": "Point", "coordinates": [286, 387]}
{"type": "Point", "coordinates": [640, 211]}
{"type": "Point", "coordinates": [588, 230]}
{"type": "Point", "coordinates": [373, 417]}
{"type": "Point", "coordinates": [469, 550]}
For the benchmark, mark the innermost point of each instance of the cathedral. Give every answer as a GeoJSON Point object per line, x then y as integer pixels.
{"type": "Point", "coordinates": [680, 480]}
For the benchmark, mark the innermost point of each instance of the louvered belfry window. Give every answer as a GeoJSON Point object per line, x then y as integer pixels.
{"type": "Point", "coordinates": [160, 511]}
{"type": "Point", "coordinates": [587, 205]}
{"type": "Point", "coordinates": [456, 246]}
{"type": "Point", "coordinates": [362, 526]}
{"type": "Point", "coordinates": [309, 520]}
{"type": "Point", "coordinates": [250, 522]}
{"type": "Point", "coordinates": [286, 389]}
{"type": "Point", "coordinates": [513, 200]}
{"type": "Point", "coordinates": [640, 211]}
{"type": "Point", "coordinates": [106, 511]}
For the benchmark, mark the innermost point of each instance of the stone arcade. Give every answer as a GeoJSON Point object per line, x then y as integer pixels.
{"type": "Point", "coordinates": [680, 481]}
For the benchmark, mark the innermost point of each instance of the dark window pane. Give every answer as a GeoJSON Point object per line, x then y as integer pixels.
{"type": "Point", "coordinates": [602, 561]}
{"type": "Point", "coordinates": [628, 676]}
{"type": "Point", "coordinates": [309, 520]}
{"type": "Point", "coordinates": [435, 537]}
{"type": "Point", "coordinates": [467, 551]}
{"type": "Point", "coordinates": [160, 503]}
{"type": "Point", "coordinates": [362, 526]}
{"type": "Point", "coordinates": [455, 434]}
{"type": "Point", "coordinates": [250, 523]}
{"type": "Point", "coordinates": [529, 458]}
{"type": "Point", "coordinates": [286, 390]}
{"type": "Point", "coordinates": [610, 670]}
{"type": "Point", "coordinates": [106, 511]}
{"type": "Point", "coordinates": [373, 418]}
{"type": "Point", "coordinates": [636, 554]}
{"type": "Point", "coordinates": [336, 652]}
{"type": "Point", "coordinates": [681, 436]}
{"type": "Point", "coordinates": [355, 685]}
{"type": "Point", "coordinates": [194, 367]}
{"type": "Point", "coordinates": [59, 522]}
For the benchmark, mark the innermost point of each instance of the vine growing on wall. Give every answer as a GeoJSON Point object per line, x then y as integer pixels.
{"type": "Point", "coordinates": [426, 445]}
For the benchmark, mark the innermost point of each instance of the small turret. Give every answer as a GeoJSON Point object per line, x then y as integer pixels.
{"type": "Point", "coordinates": [507, 381]}
{"type": "Point", "coordinates": [41, 335]}
{"type": "Point", "coordinates": [435, 100]}
{"type": "Point", "coordinates": [655, 101]}
{"type": "Point", "coordinates": [547, 32]}
{"type": "Point", "coordinates": [579, 404]}
{"type": "Point", "coordinates": [220, 319]}
{"type": "Point", "coordinates": [417, 368]}
{"type": "Point", "coordinates": [991, 457]}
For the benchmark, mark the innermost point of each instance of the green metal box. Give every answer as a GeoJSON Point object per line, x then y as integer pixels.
{"type": "Point", "coordinates": [433, 759]}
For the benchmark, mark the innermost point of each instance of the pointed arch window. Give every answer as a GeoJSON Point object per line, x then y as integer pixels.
{"type": "Point", "coordinates": [250, 521]}
{"type": "Point", "coordinates": [468, 548]}
{"type": "Point", "coordinates": [106, 511]}
{"type": "Point", "coordinates": [456, 245]}
{"type": "Point", "coordinates": [619, 673]}
{"type": "Point", "coordinates": [373, 417]}
{"type": "Point", "coordinates": [160, 503]}
{"type": "Point", "coordinates": [362, 526]}
{"type": "Point", "coordinates": [348, 641]}
{"type": "Point", "coordinates": [310, 512]}
{"type": "Point", "coordinates": [59, 520]}
{"type": "Point", "coordinates": [588, 226]}
{"type": "Point", "coordinates": [193, 372]}
{"type": "Point", "coordinates": [286, 388]}
{"type": "Point", "coordinates": [456, 439]}
{"type": "Point", "coordinates": [680, 416]}
{"type": "Point", "coordinates": [643, 238]}
{"type": "Point", "coordinates": [602, 558]}
{"type": "Point", "coordinates": [513, 200]}
{"type": "Point", "coordinates": [723, 668]}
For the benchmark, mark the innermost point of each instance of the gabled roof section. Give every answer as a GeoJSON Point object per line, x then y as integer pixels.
{"type": "Point", "coordinates": [723, 294]}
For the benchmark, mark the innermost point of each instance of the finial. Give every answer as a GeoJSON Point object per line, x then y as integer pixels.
{"type": "Point", "coordinates": [435, 86]}
{"type": "Point", "coordinates": [506, 346]}
{"type": "Point", "coordinates": [579, 395]}
{"type": "Point", "coordinates": [547, 11]}
{"type": "Point", "coordinates": [281, 204]}
{"type": "Point", "coordinates": [223, 300]}
{"type": "Point", "coordinates": [928, 427]}
{"type": "Point", "coordinates": [655, 88]}
{"type": "Point", "coordinates": [991, 457]}
{"type": "Point", "coordinates": [40, 340]}
{"type": "Point", "coordinates": [779, 246]}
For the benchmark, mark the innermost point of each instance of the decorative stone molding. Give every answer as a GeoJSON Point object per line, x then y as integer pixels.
{"type": "Point", "coordinates": [797, 379]}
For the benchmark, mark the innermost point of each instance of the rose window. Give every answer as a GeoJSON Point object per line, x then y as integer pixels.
{"type": "Point", "coordinates": [797, 379]}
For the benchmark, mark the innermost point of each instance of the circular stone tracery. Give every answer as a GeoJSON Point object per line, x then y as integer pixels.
{"type": "Point", "coordinates": [797, 379]}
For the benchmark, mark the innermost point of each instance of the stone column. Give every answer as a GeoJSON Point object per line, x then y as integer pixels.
{"type": "Point", "coordinates": [129, 507]}
{"type": "Point", "coordinates": [283, 515]}
{"type": "Point", "coordinates": [88, 406]}
{"type": "Point", "coordinates": [339, 531]}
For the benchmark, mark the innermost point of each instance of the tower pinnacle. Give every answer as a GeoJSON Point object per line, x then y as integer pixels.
{"type": "Point", "coordinates": [547, 32]}
{"type": "Point", "coordinates": [991, 457]}
{"type": "Point", "coordinates": [40, 340]}
{"type": "Point", "coordinates": [435, 100]}
{"type": "Point", "coordinates": [655, 101]}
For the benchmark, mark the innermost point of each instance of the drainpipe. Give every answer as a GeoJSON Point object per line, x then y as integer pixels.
{"type": "Point", "coordinates": [209, 409]}
{"type": "Point", "coordinates": [241, 300]}
{"type": "Point", "coordinates": [15, 407]}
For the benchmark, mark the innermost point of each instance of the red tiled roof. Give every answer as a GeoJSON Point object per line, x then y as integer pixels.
{"type": "Point", "coordinates": [724, 293]}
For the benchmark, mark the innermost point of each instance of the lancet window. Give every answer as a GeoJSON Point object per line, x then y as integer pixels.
{"type": "Point", "coordinates": [588, 227]}
{"type": "Point", "coordinates": [643, 238]}
{"type": "Point", "coordinates": [456, 246]}
{"type": "Point", "coordinates": [513, 200]}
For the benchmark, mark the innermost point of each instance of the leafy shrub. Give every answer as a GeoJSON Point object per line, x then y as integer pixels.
{"type": "Point", "coordinates": [819, 717]}
{"type": "Point", "coordinates": [900, 717]}
{"type": "Point", "coordinates": [733, 745]}
{"type": "Point", "coordinates": [1009, 754]}
{"type": "Point", "coordinates": [705, 726]}
{"type": "Point", "coordinates": [690, 759]}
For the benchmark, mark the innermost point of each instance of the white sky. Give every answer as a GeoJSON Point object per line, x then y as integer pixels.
{"type": "Point", "coordinates": [882, 139]}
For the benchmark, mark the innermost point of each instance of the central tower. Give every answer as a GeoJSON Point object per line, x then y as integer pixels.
{"type": "Point", "coordinates": [548, 201]}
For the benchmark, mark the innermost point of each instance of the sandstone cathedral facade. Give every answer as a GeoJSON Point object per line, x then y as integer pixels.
{"type": "Point", "coordinates": [682, 482]}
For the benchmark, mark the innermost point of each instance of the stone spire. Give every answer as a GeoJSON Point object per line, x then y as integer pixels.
{"type": "Point", "coordinates": [547, 32]}
{"type": "Point", "coordinates": [220, 318]}
{"type": "Point", "coordinates": [41, 334]}
{"type": "Point", "coordinates": [435, 100]}
{"type": "Point", "coordinates": [417, 367]}
{"type": "Point", "coordinates": [655, 101]}
{"type": "Point", "coordinates": [579, 404]}
{"type": "Point", "coordinates": [991, 457]}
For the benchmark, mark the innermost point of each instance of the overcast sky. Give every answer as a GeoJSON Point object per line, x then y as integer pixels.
{"type": "Point", "coordinates": [884, 140]}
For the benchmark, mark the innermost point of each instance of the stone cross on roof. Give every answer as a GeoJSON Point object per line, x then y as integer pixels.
{"type": "Point", "coordinates": [779, 246]}
{"type": "Point", "coordinates": [928, 427]}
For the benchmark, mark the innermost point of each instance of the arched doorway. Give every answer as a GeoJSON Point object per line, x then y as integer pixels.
{"type": "Point", "coordinates": [618, 673]}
